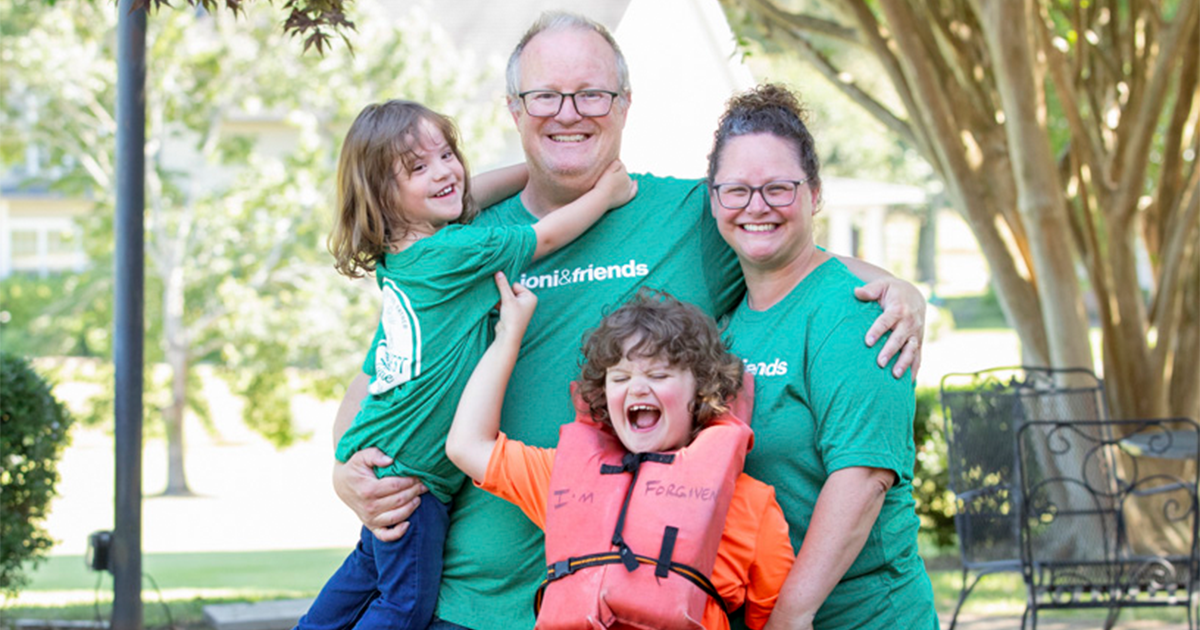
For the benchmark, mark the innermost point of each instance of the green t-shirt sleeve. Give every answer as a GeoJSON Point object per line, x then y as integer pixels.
{"type": "Point", "coordinates": [863, 414]}
{"type": "Point", "coordinates": [722, 272]}
{"type": "Point", "coordinates": [461, 261]}
{"type": "Point", "coordinates": [482, 251]}
{"type": "Point", "coordinates": [508, 249]}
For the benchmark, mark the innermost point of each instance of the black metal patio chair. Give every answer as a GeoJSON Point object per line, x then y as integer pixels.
{"type": "Point", "coordinates": [983, 411]}
{"type": "Point", "coordinates": [1097, 497]}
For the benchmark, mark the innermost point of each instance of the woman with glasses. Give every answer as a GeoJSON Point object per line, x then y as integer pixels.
{"type": "Point", "coordinates": [833, 433]}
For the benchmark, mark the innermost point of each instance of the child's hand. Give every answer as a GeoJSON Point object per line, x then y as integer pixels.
{"type": "Point", "coordinates": [516, 309]}
{"type": "Point", "coordinates": [615, 185]}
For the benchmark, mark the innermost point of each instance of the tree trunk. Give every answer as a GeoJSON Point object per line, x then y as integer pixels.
{"type": "Point", "coordinates": [974, 183]}
{"type": "Point", "coordinates": [175, 335]}
{"type": "Point", "coordinates": [1040, 203]}
{"type": "Point", "coordinates": [927, 247]}
{"type": "Point", "coordinates": [1185, 378]}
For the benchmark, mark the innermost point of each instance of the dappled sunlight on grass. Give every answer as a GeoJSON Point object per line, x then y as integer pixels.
{"type": "Point", "coordinates": [1003, 595]}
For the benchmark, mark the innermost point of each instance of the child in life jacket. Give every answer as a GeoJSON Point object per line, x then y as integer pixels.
{"type": "Point", "coordinates": [403, 205]}
{"type": "Point", "coordinates": [649, 521]}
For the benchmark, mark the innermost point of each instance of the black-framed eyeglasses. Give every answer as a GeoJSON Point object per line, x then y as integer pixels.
{"type": "Point", "coordinates": [781, 192]}
{"type": "Point", "coordinates": [547, 103]}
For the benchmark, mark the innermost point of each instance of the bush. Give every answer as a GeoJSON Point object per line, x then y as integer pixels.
{"type": "Point", "coordinates": [931, 480]}
{"type": "Point", "coordinates": [37, 315]}
{"type": "Point", "coordinates": [33, 432]}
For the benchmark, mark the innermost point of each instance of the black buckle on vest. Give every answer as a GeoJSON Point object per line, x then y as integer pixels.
{"type": "Point", "coordinates": [560, 569]}
{"type": "Point", "coordinates": [628, 558]}
{"type": "Point", "coordinates": [632, 461]}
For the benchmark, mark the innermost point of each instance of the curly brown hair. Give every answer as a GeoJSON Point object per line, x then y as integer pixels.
{"type": "Point", "coordinates": [666, 328]}
{"type": "Point", "coordinates": [369, 218]}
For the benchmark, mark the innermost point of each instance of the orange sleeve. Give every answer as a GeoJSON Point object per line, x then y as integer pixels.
{"type": "Point", "coordinates": [520, 474]}
{"type": "Point", "coordinates": [755, 554]}
{"type": "Point", "coordinates": [773, 561]}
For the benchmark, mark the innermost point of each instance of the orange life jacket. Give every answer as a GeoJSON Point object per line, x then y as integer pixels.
{"type": "Point", "coordinates": [631, 538]}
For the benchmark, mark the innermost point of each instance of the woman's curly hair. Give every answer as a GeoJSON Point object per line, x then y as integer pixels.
{"type": "Point", "coordinates": [772, 109]}
{"type": "Point", "coordinates": [666, 328]}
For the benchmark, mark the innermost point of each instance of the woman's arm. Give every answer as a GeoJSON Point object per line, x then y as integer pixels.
{"type": "Point", "coordinates": [383, 505]}
{"type": "Point", "coordinates": [472, 437]}
{"type": "Point", "coordinates": [903, 314]}
{"type": "Point", "coordinates": [494, 186]}
{"type": "Point", "coordinates": [846, 511]}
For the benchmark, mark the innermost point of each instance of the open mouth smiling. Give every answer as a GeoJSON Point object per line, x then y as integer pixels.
{"type": "Point", "coordinates": [642, 417]}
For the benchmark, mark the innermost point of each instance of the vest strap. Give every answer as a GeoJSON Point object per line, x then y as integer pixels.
{"type": "Point", "coordinates": [668, 548]}
{"type": "Point", "coordinates": [563, 568]}
{"type": "Point", "coordinates": [630, 463]}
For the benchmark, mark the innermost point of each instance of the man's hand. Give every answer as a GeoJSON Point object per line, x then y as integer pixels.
{"type": "Point", "coordinates": [383, 505]}
{"type": "Point", "coordinates": [904, 315]}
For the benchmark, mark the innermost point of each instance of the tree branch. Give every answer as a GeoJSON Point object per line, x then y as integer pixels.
{"type": "Point", "coordinates": [1172, 175]}
{"type": "Point", "coordinates": [1082, 135]}
{"type": "Point", "coordinates": [1173, 266]}
{"type": "Point", "coordinates": [922, 134]}
{"type": "Point", "coordinates": [803, 23]}
{"type": "Point", "coordinates": [1145, 118]}
{"type": "Point", "coordinates": [851, 89]}
{"type": "Point", "coordinates": [969, 92]}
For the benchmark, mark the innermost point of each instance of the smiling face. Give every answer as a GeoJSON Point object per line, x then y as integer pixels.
{"type": "Point", "coordinates": [649, 403]}
{"type": "Point", "coordinates": [765, 238]}
{"type": "Point", "coordinates": [429, 183]}
{"type": "Point", "coordinates": [569, 150]}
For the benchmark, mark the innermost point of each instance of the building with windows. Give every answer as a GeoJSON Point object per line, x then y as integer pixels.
{"type": "Point", "coordinates": [39, 234]}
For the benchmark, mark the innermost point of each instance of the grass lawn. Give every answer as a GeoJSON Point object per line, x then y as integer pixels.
{"type": "Point", "coordinates": [1003, 595]}
{"type": "Point", "coordinates": [975, 312]}
{"type": "Point", "coordinates": [62, 588]}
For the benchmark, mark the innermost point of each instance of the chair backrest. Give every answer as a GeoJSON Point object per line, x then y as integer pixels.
{"type": "Point", "coordinates": [1095, 492]}
{"type": "Point", "coordinates": [982, 413]}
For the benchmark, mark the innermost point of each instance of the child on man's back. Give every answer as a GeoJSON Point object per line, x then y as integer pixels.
{"type": "Point", "coordinates": [403, 202]}
{"type": "Point", "coordinates": [646, 485]}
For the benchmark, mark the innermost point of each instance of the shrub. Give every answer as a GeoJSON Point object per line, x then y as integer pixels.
{"type": "Point", "coordinates": [931, 480]}
{"type": "Point", "coordinates": [33, 432]}
{"type": "Point", "coordinates": [67, 314]}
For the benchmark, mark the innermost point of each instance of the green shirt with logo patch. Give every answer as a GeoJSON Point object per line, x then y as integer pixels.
{"type": "Point", "coordinates": [433, 329]}
{"type": "Point", "coordinates": [665, 238]}
{"type": "Point", "coordinates": [820, 405]}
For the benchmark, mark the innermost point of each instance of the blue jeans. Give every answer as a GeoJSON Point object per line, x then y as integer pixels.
{"type": "Point", "coordinates": [387, 585]}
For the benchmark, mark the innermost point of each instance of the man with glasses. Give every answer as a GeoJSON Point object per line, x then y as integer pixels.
{"type": "Point", "coordinates": [568, 92]}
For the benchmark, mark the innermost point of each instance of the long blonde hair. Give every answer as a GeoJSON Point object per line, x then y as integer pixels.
{"type": "Point", "coordinates": [369, 216]}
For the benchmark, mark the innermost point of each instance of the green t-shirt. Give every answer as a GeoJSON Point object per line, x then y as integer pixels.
{"type": "Point", "coordinates": [433, 329]}
{"type": "Point", "coordinates": [665, 239]}
{"type": "Point", "coordinates": [821, 404]}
